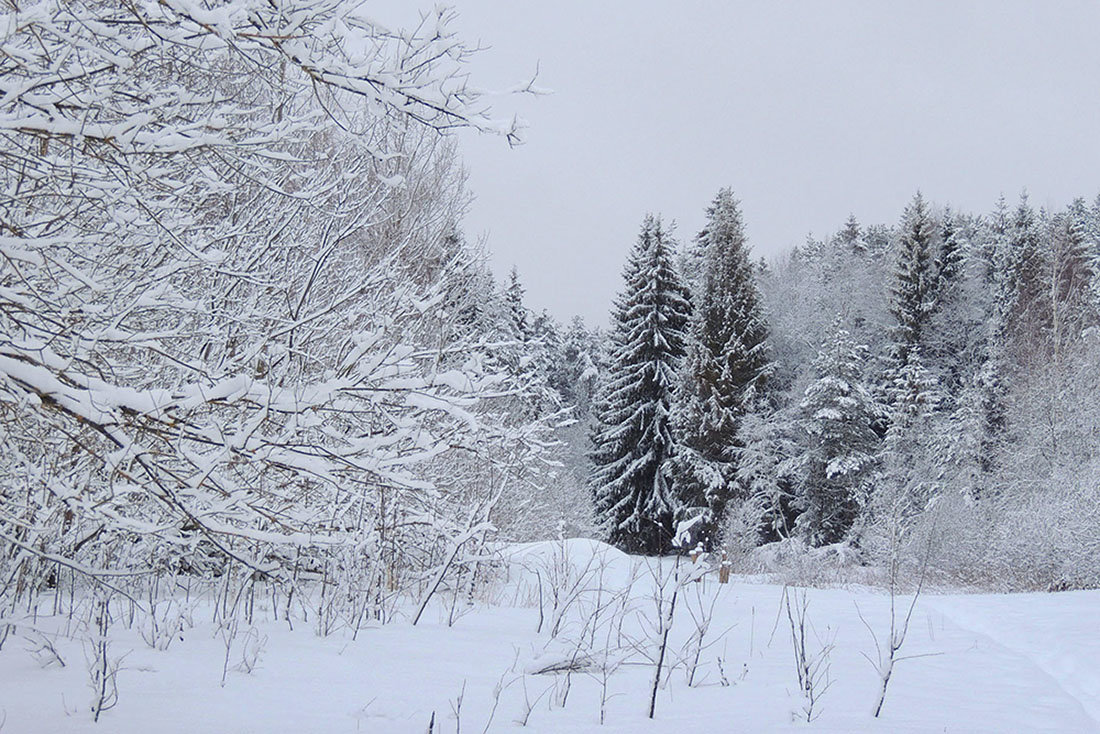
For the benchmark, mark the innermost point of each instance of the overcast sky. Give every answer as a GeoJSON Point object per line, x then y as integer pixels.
{"type": "Point", "coordinates": [809, 110]}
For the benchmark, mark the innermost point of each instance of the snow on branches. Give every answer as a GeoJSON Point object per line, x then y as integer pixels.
{"type": "Point", "coordinates": [227, 267]}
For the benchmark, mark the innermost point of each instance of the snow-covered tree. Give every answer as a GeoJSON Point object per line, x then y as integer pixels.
{"type": "Point", "coordinates": [767, 464]}
{"type": "Point", "coordinates": [851, 236]}
{"type": "Point", "coordinates": [911, 467]}
{"type": "Point", "coordinates": [914, 288]}
{"type": "Point", "coordinates": [840, 447]}
{"type": "Point", "coordinates": [989, 384]}
{"type": "Point", "coordinates": [583, 363]}
{"type": "Point", "coordinates": [1026, 289]}
{"type": "Point", "coordinates": [1068, 276]}
{"type": "Point", "coordinates": [633, 441]}
{"type": "Point", "coordinates": [229, 298]}
{"type": "Point", "coordinates": [515, 310]}
{"type": "Point", "coordinates": [724, 370]}
{"type": "Point", "coordinates": [802, 294]}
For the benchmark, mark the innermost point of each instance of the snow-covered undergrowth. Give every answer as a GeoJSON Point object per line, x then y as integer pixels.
{"type": "Point", "coordinates": [567, 634]}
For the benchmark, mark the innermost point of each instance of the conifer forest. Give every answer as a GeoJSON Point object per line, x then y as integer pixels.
{"type": "Point", "coordinates": [280, 451]}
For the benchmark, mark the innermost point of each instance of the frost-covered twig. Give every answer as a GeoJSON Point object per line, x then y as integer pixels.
{"type": "Point", "coordinates": [812, 666]}
{"type": "Point", "coordinates": [887, 652]}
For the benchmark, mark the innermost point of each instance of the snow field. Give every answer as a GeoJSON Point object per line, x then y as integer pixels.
{"type": "Point", "coordinates": [978, 663]}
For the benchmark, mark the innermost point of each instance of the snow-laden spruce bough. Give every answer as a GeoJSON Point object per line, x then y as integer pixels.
{"type": "Point", "coordinates": [270, 431]}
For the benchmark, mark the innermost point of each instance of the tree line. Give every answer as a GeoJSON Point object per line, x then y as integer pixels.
{"type": "Point", "coordinates": [934, 380]}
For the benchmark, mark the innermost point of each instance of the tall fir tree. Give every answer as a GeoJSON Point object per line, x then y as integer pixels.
{"type": "Point", "coordinates": [910, 462]}
{"type": "Point", "coordinates": [632, 441]}
{"type": "Point", "coordinates": [839, 444]}
{"type": "Point", "coordinates": [582, 363]}
{"type": "Point", "coordinates": [545, 358]}
{"type": "Point", "coordinates": [931, 370]}
{"type": "Point", "coordinates": [984, 406]}
{"type": "Point", "coordinates": [529, 351]}
{"type": "Point", "coordinates": [914, 279]}
{"type": "Point", "coordinates": [949, 332]}
{"type": "Point", "coordinates": [515, 312]}
{"type": "Point", "coordinates": [724, 371]}
{"type": "Point", "coordinates": [851, 237]}
{"type": "Point", "coordinates": [949, 261]}
{"type": "Point", "coordinates": [1028, 317]}
{"type": "Point", "coordinates": [767, 468]}
{"type": "Point", "coordinates": [1069, 275]}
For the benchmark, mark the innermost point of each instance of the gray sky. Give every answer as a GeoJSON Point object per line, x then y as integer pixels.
{"type": "Point", "coordinates": [809, 110]}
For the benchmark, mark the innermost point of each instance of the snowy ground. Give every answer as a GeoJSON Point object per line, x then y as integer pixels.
{"type": "Point", "coordinates": [989, 663]}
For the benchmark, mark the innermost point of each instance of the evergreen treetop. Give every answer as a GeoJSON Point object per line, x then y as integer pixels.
{"type": "Point", "coordinates": [632, 441]}
{"type": "Point", "coordinates": [726, 364]}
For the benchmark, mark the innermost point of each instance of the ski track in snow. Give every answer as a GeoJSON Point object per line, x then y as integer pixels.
{"type": "Point", "coordinates": [1033, 637]}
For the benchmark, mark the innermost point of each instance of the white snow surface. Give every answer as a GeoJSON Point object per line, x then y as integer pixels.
{"type": "Point", "coordinates": [989, 663]}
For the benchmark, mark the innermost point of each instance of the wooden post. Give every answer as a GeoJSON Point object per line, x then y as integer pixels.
{"type": "Point", "coordinates": [696, 553]}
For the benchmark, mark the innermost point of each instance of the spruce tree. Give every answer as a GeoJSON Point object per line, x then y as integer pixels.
{"type": "Point", "coordinates": [949, 332]}
{"type": "Point", "coordinates": [545, 357]}
{"type": "Point", "coordinates": [581, 360]}
{"type": "Point", "coordinates": [632, 440]}
{"type": "Point", "coordinates": [725, 369]}
{"type": "Point", "coordinates": [516, 316]}
{"type": "Point", "coordinates": [950, 260]}
{"type": "Point", "coordinates": [528, 351]}
{"type": "Point", "coordinates": [930, 341]}
{"type": "Point", "coordinates": [837, 413]}
{"type": "Point", "coordinates": [1028, 316]}
{"type": "Point", "coordinates": [851, 237]}
{"type": "Point", "coordinates": [1069, 276]}
{"type": "Point", "coordinates": [911, 452]}
{"type": "Point", "coordinates": [914, 280]}
{"type": "Point", "coordinates": [769, 455]}
{"type": "Point", "coordinates": [985, 405]}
